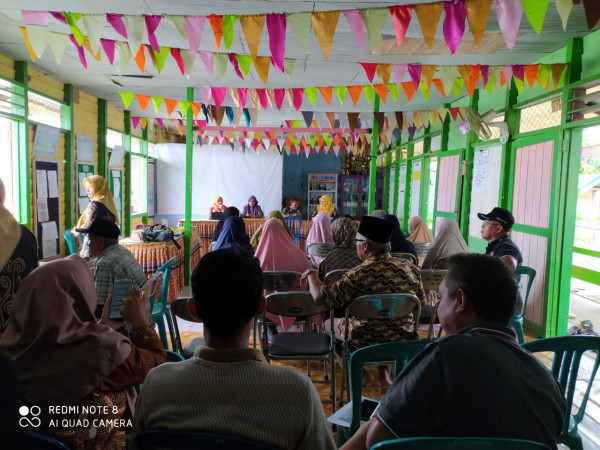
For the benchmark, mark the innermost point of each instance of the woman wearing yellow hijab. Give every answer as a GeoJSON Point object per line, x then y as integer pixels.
{"type": "Point", "coordinates": [101, 206]}
{"type": "Point", "coordinates": [326, 205]}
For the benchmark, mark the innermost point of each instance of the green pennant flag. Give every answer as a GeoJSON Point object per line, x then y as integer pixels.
{"type": "Point", "coordinates": [296, 123]}
{"type": "Point", "coordinates": [535, 10]}
{"type": "Point", "coordinates": [490, 85]}
{"type": "Point", "coordinates": [161, 57]}
{"type": "Point", "coordinates": [288, 67]}
{"type": "Point", "coordinates": [328, 140]}
{"type": "Point", "coordinates": [424, 91]}
{"type": "Point", "coordinates": [369, 90]}
{"type": "Point", "coordinates": [72, 19]}
{"type": "Point", "coordinates": [228, 22]}
{"type": "Point", "coordinates": [457, 86]}
{"type": "Point", "coordinates": [340, 91]}
{"type": "Point", "coordinates": [183, 107]}
{"type": "Point", "coordinates": [311, 94]}
{"type": "Point", "coordinates": [519, 84]}
{"type": "Point", "coordinates": [157, 101]}
{"type": "Point", "coordinates": [127, 97]}
{"type": "Point", "coordinates": [245, 61]}
{"type": "Point", "coordinates": [394, 91]}
{"type": "Point", "coordinates": [543, 75]}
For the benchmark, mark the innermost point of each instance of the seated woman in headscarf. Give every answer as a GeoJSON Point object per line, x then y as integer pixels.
{"type": "Point", "coordinates": [217, 206]}
{"type": "Point", "coordinates": [344, 255]}
{"type": "Point", "coordinates": [234, 234]}
{"type": "Point", "coordinates": [399, 243]}
{"type": "Point", "coordinates": [419, 231]}
{"type": "Point", "coordinates": [319, 232]}
{"type": "Point", "coordinates": [101, 206]}
{"type": "Point", "coordinates": [252, 210]}
{"type": "Point", "coordinates": [379, 213]}
{"type": "Point", "coordinates": [65, 357]}
{"type": "Point", "coordinates": [18, 257]}
{"type": "Point", "coordinates": [255, 239]}
{"type": "Point", "coordinates": [326, 205]}
{"type": "Point", "coordinates": [231, 211]}
{"type": "Point", "coordinates": [448, 241]}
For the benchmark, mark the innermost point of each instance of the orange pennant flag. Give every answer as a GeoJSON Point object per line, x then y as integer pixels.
{"type": "Point", "coordinates": [384, 71]}
{"type": "Point", "coordinates": [28, 44]}
{"type": "Point", "coordinates": [531, 71]}
{"type": "Point", "coordinates": [354, 92]}
{"type": "Point", "coordinates": [409, 89]}
{"type": "Point", "coordinates": [557, 71]}
{"type": "Point", "coordinates": [196, 107]}
{"type": "Point", "coordinates": [502, 79]}
{"type": "Point", "coordinates": [262, 64]}
{"type": "Point", "coordinates": [429, 16]}
{"type": "Point", "coordinates": [143, 100]}
{"type": "Point", "coordinates": [427, 73]}
{"type": "Point", "coordinates": [171, 104]}
{"type": "Point", "coordinates": [382, 91]}
{"type": "Point", "coordinates": [438, 84]}
{"type": "Point", "coordinates": [478, 12]}
{"type": "Point", "coordinates": [473, 79]}
{"type": "Point", "coordinates": [87, 45]}
{"type": "Point", "coordinates": [216, 23]}
{"type": "Point", "coordinates": [140, 58]}
{"type": "Point", "coordinates": [326, 93]}
{"type": "Point", "coordinates": [252, 26]}
{"type": "Point", "coordinates": [324, 24]}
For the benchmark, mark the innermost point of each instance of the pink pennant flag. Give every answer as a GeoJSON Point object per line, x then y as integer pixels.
{"type": "Point", "coordinates": [207, 59]}
{"type": "Point", "coordinates": [135, 121]}
{"type": "Point", "coordinates": [507, 71]}
{"type": "Point", "coordinates": [194, 25]}
{"type": "Point", "coordinates": [509, 14]}
{"type": "Point", "coordinates": [279, 96]}
{"type": "Point", "coordinates": [236, 65]}
{"type": "Point", "coordinates": [262, 96]}
{"type": "Point", "coordinates": [109, 49]}
{"type": "Point", "coordinates": [176, 54]}
{"type": "Point", "coordinates": [205, 94]}
{"type": "Point", "coordinates": [454, 23]}
{"type": "Point", "coordinates": [298, 94]}
{"type": "Point", "coordinates": [41, 18]}
{"type": "Point", "coordinates": [58, 16]}
{"type": "Point", "coordinates": [399, 71]}
{"type": "Point", "coordinates": [276, 24]}
{"type": "Point", "coordinates": [243, 94]}
{"type": "Point", "coordinates": [401, 15]}
{"type": "Point", "coordinates": [79, 50]}
{"type": "Point", "coordinates": [357, 25]}
{"type": "Point", "coordinates": [484, 75]}
{"type": "Point", "coordinates": [370, 69]}
{"type": "Point", "coordinates": [160, 122]}
{"type": "Point", "coordinates": [518, 71]}
{"type": "Point", "coordinates": [152, 23]}
{"type": "Point", "coordinates": [116, 20]}
{"type": "Point", "coordinates": [415, 74]}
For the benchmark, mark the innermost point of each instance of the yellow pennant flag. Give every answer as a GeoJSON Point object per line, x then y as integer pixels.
{"type": "Point", "coordinates": [477, 15]}
{"type": "Point", "coordinates": [417, 119]}
{"type": "Point", "coordinates": [252, 26]}
{"type": "Point", "coordinates": [86, 44]}
{"type": "Point", "coordinates": [427, 73]}
{"type": "Point", "coordinates": [324, 24]}
{"type": "Point", "coordinates": [384, 71]}
{"type": "Point", "coordinates": [262, 64]}
{"type": "Point", "coordinates": [28, 44]}
{"type": "Point", "coordinates": [429, 16]}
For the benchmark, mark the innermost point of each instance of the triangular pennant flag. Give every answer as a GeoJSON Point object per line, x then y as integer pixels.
{"type": "Point", "coordinates": [252, 26]}
{"type": "Point", "coordinates": [152, 22]}
{"type": "Point", "coordinates": [384, 71]}
{"type": "Point", "coordinates": [427, 73]}
{"type": "Point", "coordinates": [94, 24]}
{"type": "Point", "coordinates": [237, 114]}
{"type": "Point", "coordinates": [401, 15]}
{"type": "Point", "coordinates": [352, 121]}
{"type": "Point", "coordinates": [355, 92]}
{"type": "Point", "coordinates": [340, 91]}
{"type": "Point", "coordinates": [509, 14]}
{"type": "Point", "coordinates": [473, 79]}
{"type": "Point", "coordinates": [324, 24]}
{"type": "Point", "coordinates": [41, 18]}
{"type": "Point", "coordinates": [80, 51]}
{"type": "Point", "coordinates": [326, 92]}
{"type": "Point", "coordinates": [171, 104]}
{"type": "Point", "coordinates": [438, 84]}
{"type": "Point", "coordinates": [379, 117]}
{"type": "Point", "coordinates": [298, 93]}
{"type": "Point", "coordinates": [135, 31]}
{"type": "Point", "coordinates": [253, 116]}
{"type": "Point", "coordinates": [454, 23]}
{"type": "Point", "coordinates": [127, 98]}
{"type": "Point", "coordinates": [72, 19]}
{"type": "Point", "coordinates": [262, 64]}
{"type": "Point", "coordinates": [122, 56]}
{"type": "Point", "coordinates": [140, 59]}
{"type": "Point", "coordinates": [143, 122]}
{"type": "Point", "coordinates": [109, 49]}
{"type": "Point", "coordinates": [194, 27]}
{"type": "Point", "coordinates": [494, 73]}
{"type": "Point", "coordinates": [38, 38]}
{"type": "Point", "coordinates": [370, 69]}
{"type": "Point", "coordinates": [216, 23]}
{"type": "Point", "coordinates": [531, 71]}
{"type": "Point", "coordinates": [243, 95]}
{"type": "Point", "coordinates": [276, 26]}
{"type": "Point", "coordinates": [415, 73]}
{"type": "Point", "coordinates": [454, 113]}
{"type": "Point", "coordinates": [369, 91]}
{"type": "Point", "coordinates": [307, 115]}
{"type": "Point", "coordinates": [207, 59]}
{"type": "Point", "coordinates": [218, 95]}
{"type": "Point", "coordinates": [592, 13]}
{"type": "Point", "coordinates": [135, 121]}
{"type": "Point", "coordinates": [279, 96]}
{"type": "Point", "coordinates": [271, 96]}
{"type": "Point", "coordinates": [236, 65]}
{"type": "Point", "coordinates": [262, 96]}
{"type": "Point", "coordinates": [142, 100]}
{"type": "Point", "coordinates": [233, 93]}
{"type": "Point", "coordinates": [478, 12]}
{"type": "Point", "coordinates": [311, 94]}
{"type": "Point", "coordinates": [179, 24]}
{"type": "Point", "coordinates": [205, 94]}
{"type": "Point", "coordinates": [331, 119]}
{"type": "Point", "coordinates": [161, 57]}
{"type": "Point", "coordinates": [465, 73]}
{"type": "Point", "coordinates": [254, 98]}
{"type": "Point", "coordinates": [394, 91]}
{"type": "Point", "coordinates": [409, 89]}
{"type": "Point", "coordinates": [228, 22]}
{"type": "Point", "coordinates": [176, 54]}
{"type": "Point", "coordinates": [399, 119]}
{"type": "Point", "coordinates": [196, 109]}
{"type": "Point", "coordinates": [375, 19]}
{"type": "Point", "coordinates": [558, 71]}
{"type": "Point", "coordinates": [219, 113]}
{"type": "Point", "coordinates": [245, 63]}
{"type": "Point", "coordinates": [543, 75]}
{"type": "Point", "coordinates": [220, 62]}
{"type": "Point", "coordinates": [424, 91]}
{"type": "Point", "coordinates": [382, 91]}
{"type": "Point", "coordinates": [58, 42]}
{"type": "Point", "coordinates": [457, 86]}
{"type": "Point", "coordinates": [157, 101]}
{"type": "Point", "coordinates": [429, 16]}
{"type": "Point", "coordinates": [300, 24]}
{"type": "Point", "coordinates": [357, 26]}
{"type": "Point", "coordinates": [88, 47]}
{"type": "Point", "coordinates": [399, 71]}
{"type": "Point", "coordinates": [417, 119]}
{"type": "Point", "coordinates": [183, 107]}
{"type": "Point", "coordinates": [116, 21]}
{"type": "Point", "coordinates": [535, 10]}
{"type": "Point", "coordinates": [288, 66]}
{"type": "Point", "coordinates": [484, 75]}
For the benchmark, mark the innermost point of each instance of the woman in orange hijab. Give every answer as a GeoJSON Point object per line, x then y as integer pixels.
{"type": "Point", "coordinates": [101, 206]}
{"type": "Point", "coordinates": [217, 206]}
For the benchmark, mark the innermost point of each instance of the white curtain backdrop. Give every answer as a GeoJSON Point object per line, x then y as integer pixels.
{"type": "Point", "coordinates": [217, 170]}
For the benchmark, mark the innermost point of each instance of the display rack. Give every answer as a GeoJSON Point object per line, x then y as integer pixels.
{"type": "Point", "coordinates": [321, 184]}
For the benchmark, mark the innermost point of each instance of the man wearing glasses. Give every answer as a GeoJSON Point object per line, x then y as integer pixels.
{"type": "Point", "coordinates": [494, 230]}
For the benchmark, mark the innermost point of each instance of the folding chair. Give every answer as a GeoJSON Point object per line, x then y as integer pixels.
{"type": "Point", "coordinates": [179, 308]}
{"type": "Point", "coordinates": [408, 256]}
{"type": "Point", "coordinates": [334, 275]}
{"type": "Point", "coordinates": [160, 311]}
{"type": "Point", "coordinates": [422, 248]}
{"type": "Point", "coordinates": [517, 321]}
{"type": "Point", "coordinates": [448, 443]}
{"type": "Point", "coordinates": [442, 263]}
{"type": "Point", "coordinates": [431, 279]}
{"type": "Point", "coordinates": [321, 249]}
{"type": "Point", "coordinates": [294, 224]}
{"type": "Point", "coordinates": [192, 440]}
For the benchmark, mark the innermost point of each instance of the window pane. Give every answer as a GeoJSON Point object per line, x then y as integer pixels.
{"type": "Point", "coordinates": [44, 110]}
{"type": "Point", "coordinates": [113, 138]}
{"type": "Point", "coordinates": [139, 193]}
{"type": "Point", "coordinates": [150, 149]}
{"type": "Point", "coordinates": [9, 166]}
{"type": "Point", "coordinates": [12, 98]}
{"type": "Point", "coordinates": [136, 145]}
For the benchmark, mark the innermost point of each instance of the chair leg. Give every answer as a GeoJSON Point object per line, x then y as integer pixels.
{"type": "Point", "coordinates": [169, 319]}
{"type": "Point", "coordinates": [518, 326]}
{"type": "Point", "coordinates": [162, 333]}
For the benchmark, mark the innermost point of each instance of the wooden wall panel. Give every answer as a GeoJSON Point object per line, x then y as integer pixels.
{"type": "Point", "coordinates": [7, 67]}
{"type": "Point", "coordinates": [446, 192]}
{"type": "Point", "coordinates": [115, 118]}
{"type": "Point", "coordinates": [44, 84]}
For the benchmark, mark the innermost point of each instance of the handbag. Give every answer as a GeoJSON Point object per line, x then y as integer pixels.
{"type": "Point", "coordinates": [160, 233]}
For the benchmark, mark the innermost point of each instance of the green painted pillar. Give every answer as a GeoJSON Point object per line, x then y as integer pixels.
{"type": "Point", "coordinates": [189, 158]}
{"type": "Point", "coordinates": [102, 129]}
{"type": "Point", "coordinates": [69, 187]}
{"type": "Point", "coordinates": [126, 229]}
{"type": "Point", "coordinates": [24, 159]}
{"type": "Point", "coordinates": [465, 205]}
{"type": "Point", "coordinates": [373, 162]}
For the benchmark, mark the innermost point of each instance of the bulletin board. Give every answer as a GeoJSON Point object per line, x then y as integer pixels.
{"type": "Point", "coordinates": [485, 188]}
{"type": "Point", "coordinates": [84, 170]}
{"type": "Point", "coordinates": [401, 193]}
{"type": "Point", "coordinates": [47, 196]}
{"type": "Point", "coordinates": [116, 188]}
{"type": "Point", "coordinates": [151, 188]}
{"type": "Point", "coordinates": [391, 190]}
{"type": "Point", "coordinates": [415, 188]}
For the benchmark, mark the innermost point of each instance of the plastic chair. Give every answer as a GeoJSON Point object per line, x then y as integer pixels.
{"type": "Point", "coordinates": [568, 351]}
{"type": "Point", "coordinates": [431, 279]}
{"type": "Point", "coordinates": [334, 275]}
{"type": "Point", "coordinates": [408, 256]}
{"type": "Point", "coordinates": [442, 263]}
{"type": "Point", "coordinates": [192, 440]}
{"type": "Point", "coordinates": [31, 439]}
{"type": "Point", "coordinates": [179, 308]}
{"type": "Point", "coordinates": [447, 443]}
{"type": "Point", "coordinates": [174, 357]}
{"type": "Point", "coordinates": [517, 321]}
{"type": "Point", "coordinates": [294, 223]}
{"type": "Point", "coordinates": [160, 311]}
{"type": "Point", "coordinates": [422, 248]}
{"type": "Point", "coordinates": [71, 242]}
{"type": "Point", "coordinates": [321, 249]}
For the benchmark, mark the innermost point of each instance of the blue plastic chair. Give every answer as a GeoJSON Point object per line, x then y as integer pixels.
{"type": "Point", "coordinates": [568, 351]}
{"type": "Point", "coordinates": [447, 443]}
{"type": "Point", "coordinates": [39, 441]}
{"type": "Point", "coordinates": [160, 310]}
{"type": "Point", "coordinates": [192, 440]}
{"type": "Point", "coordinates": [71, 243]}
{"type": "Point", "coordinates": [295, 223]}
{"type": "Point", "coordinates": [517, 321]}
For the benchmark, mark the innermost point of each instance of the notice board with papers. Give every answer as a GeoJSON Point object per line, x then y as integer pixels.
{"type": "Point", "coordinates": [47, 211]}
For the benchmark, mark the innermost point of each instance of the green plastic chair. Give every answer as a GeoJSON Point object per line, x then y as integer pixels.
{"type": "Point", "coordinates": [71, 243]}
{"type": "Point", "coordinates": [568, 351]}
{"type": "Point", "coordinates": [517, 321]}
{"type": "Point", "coordinates": [447, 443]}
{"type": "Point", "coordinates": [160, 310]}
{"type": "Point", "coordinates": [294, 223]}
{"type": "Point", "coordinates": [174, 357]}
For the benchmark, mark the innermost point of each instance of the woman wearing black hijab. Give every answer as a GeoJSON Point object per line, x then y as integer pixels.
{"type": "Point", "coordinates": [398, 241]}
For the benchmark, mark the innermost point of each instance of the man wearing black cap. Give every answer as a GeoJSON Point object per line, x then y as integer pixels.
{"type": "Point", "coordinates": [494, 230]}
{"type": "Point", "coordinates": [115, 262]}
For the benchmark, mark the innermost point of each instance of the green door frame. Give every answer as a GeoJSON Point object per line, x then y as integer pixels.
{"type": "Point", "coordinates": [437, 213]}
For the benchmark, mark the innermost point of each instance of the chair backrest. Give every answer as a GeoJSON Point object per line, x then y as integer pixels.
{"type": "Point", "coordinates": [164, 289]}
{"type": "Point", "coordinates": [71, 242]}
{"type": "Point", "coordinates": [422, 248]}
{"type": "Point", "coordinates": [151, 286]}
{"type": "Point", "coordinates": [174, 357]}
{"type": "Point", "coordinates": [334, 275]}
{"type": "Point", "coordinates": [31, 439]}
{"type": "Point", "coordinates": [281, 280]}
{"type": "Point", "coordinates": [432, 278]}
{"type": "Point", "coordinates": [192, 440]}
{"type": "Point", "coordinates": [447, 443]}
{"type": "Point", "coordinates": [385, 306]}
{"type": "Point", "coordinates": [530, 273]}
{"type": "Point", "coordinates": [211, 246]}
{"type": "Point", "coordinates": [292, 304]}
{"type": "Point", "coordinates": [442, 263]}
{"type": "Point", "coordinates": [408, 256]}
{"type": "Point", "coordinates": [568, 351]}
{"type": "Point", "coordinates": [180, 309]}
{"type": "Point", "coordinates": [294, 223]}
{"type": "Point", "coordinates": [321, 249]}
{"type": "Point", "coordinates": [399, 352]}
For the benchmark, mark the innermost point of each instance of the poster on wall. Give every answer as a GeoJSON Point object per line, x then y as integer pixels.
{"type": "Point", "coordinates": [486, 185]}
{"type": "Point", "coordinates": [47, 211]}
{"type": "Point", "coordinates": [392, 190]}
{"type": "Point", "coordinates": [116, 176]}
{"type": "Point", "coordinates": [151, 188]}
{"type": "Point", "coordinates": [85, 148]}
{"type": "Point", "coordinates": [46, 141]}
{"type": "Point", "coordinates": [401, 192]}
{"type": "Point", "coordinates": [116, 156]}
{"type": "Point", "coordinates": [415, 188]}
{"type": "Point", "coordinates": [83, 171]}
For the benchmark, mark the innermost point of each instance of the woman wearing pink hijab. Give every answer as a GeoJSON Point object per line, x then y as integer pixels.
{"type": "Point", "coordinates": [320, 232]}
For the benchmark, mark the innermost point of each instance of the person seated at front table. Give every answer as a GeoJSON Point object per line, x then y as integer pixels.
{"type": "Point", "coordinates": [326, 205]}
{"type": "Point", "coordinates": [252, 210]}
{"type": "Point", "coordinates": [292, 210]}
{"type": "Point", "coordinates": [217, 206]}
{"type": "Point", "coordinates": [477, 380]}
{"type": "Point", "coordinates": [115, 262]}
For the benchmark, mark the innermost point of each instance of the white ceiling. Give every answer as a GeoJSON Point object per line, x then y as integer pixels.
{"type": "Point", "coordinates": [101, 79]}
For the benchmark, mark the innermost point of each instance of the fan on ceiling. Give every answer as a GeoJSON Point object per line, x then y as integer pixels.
{"type": "Point", "coordinates": [481, 124]}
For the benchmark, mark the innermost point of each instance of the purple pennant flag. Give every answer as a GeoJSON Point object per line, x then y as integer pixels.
{"type": "Point", "coordinates": [308, 116]}
{"type": "Point", "coordinates": [262, 96]}
{"type": "Point", "coordinates": [236, 65]}
{"type": "Point", "coordinates": [357, 26]}
{"type": "Point", "coordinates": [399, 71]}
{"type": "Point", "coordinates": [135, 121]}
{"type": "Point", "coordinates": [207, 59]}
{"type": "Point", "coordinates": [58, 16]}
{"type": "Point", "coordinates": [484, 75]}
{"type": "Point", "coordinates": [116, 20]}
{"type": "Point", "coordinates": [194, 26]}
{"type": "Point", "coordinates": [152, 23]}
{"type": "Point", "coordinates": [205, 94]}
{"type": "Point", "coordinates": [454, 23]}
{"type": "Point", "coordinates": [79, 50]}
{"type": "Point", "coordinates": [218, 95]}
{"type": "Point", "coordinates": [509, 14]}
{"type": "Point", "coordinates": [518, 71]}
{"type": "Point", "coordinates": [415, 74]}
{"type": "Point", "coordinates": [40, 18]}
{"type": "Point", "coordinates": [276, 24]}
{"type": "Point", "coordinates": [109, 49]}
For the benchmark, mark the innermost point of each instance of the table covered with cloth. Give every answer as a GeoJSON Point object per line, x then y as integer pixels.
{"type": "Point", "coordinates": [206, 229]}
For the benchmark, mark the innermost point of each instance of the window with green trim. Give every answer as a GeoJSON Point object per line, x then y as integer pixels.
{"type": "Point", "coordinates": [9, 155]}
{"type": "Point", "coordinates": [139, 178]}
{"type": "Point", "coordinates": [44, 110]}
{"type": "Point", "coordinates": [12, 98]}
